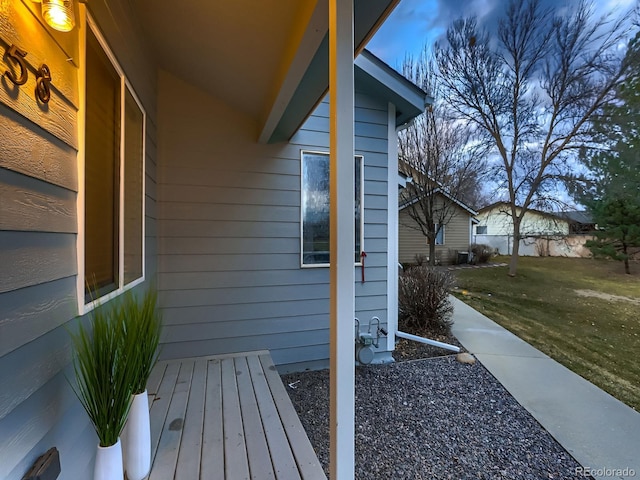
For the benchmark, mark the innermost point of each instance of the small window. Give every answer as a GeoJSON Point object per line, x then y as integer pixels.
{"type": "Point", "coordinates": [113, 191]}
{"type": "Point", "coordinates": [481, 229]}
{"type": "Point", "coordinates": [315, 208]}
{"type": "Point", "coordinates": [439, 234]}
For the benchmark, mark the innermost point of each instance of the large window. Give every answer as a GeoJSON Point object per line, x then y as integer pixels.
{"type": "Point", "coordinates": [113, 176]}
{"type": "Point", "coordinates": [315, 208]}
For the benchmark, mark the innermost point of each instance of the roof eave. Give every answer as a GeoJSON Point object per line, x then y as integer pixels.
{"type": "Point", "coordinates": [383, 81]}
{"type": "Point", "coordinates": [307, 80]}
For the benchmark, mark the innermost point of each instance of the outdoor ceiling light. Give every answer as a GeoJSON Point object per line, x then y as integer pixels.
{"type": "Point", "coordinates": [59, 14]}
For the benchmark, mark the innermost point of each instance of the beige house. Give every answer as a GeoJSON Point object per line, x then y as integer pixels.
{"type": "Point", "coordinates": [542, 233]}
{"type": "Point", "coordinates": [454, 238]}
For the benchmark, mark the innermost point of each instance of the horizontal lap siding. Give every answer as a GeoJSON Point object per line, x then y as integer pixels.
{"type": "Point", "coordinates": [412, 242]}
{"type": "Point", "coordinates": [229, 231]}
{"type": "Point", "coordinates": [38, 228]}
{"type": "Point", "coordinates": [457, 236]}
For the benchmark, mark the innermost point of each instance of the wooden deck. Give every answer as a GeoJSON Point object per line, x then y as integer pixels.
{"type": "Point", "coordinates": [226, 417]}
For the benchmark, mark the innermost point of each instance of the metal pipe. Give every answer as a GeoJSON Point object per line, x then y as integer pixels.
{"type": "Point", "coordinates": [428, 341]}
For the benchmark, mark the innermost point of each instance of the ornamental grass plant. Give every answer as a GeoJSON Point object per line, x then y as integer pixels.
{"type": "Point", "coordinates": [142, 323]}
{"type": "Point", "coordinates": [106, 367]}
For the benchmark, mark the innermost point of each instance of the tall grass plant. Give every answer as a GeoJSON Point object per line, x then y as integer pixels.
{"type": "Point", "coordinates": [106, 368]}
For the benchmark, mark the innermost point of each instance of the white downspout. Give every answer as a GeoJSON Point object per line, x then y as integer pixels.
{"type": "Point", "coordinates": [393, 247]}
{"type": "Point", "coordinates": [428, 341]}
{"type": "Point", "coordinates": [392, 227]}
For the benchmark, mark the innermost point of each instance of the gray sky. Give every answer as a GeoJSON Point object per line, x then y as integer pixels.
{"type": "Point", "coordinates": [416, 22]}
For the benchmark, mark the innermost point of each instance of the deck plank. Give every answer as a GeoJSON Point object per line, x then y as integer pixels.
{"type": "Point", "coordinates": [212, 465]}
{"type": "Point", "coordinates": [283, 461]}
{"type": "Point", "coordinates": [226, 417]}
{"type": "Point", "coordinates": [155, 378]}
{"type": "Point", "coordinates": [153, 384]}
{"type": "Point", "coordinates": [306, 457]}
{"type": "Point", "coordinates": [160, 404]}
{"type": "Point", "coordinates": [257, 450]}
{"type": "Point", "coordinates": [188, 466]}
{"type": "Point", "coordinates": [236, 465]}
{"type": "Point", "coordinates": [167, 454]}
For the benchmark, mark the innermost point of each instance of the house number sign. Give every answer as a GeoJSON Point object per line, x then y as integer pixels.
{"type": "Point", "coordinates": [16, 56]}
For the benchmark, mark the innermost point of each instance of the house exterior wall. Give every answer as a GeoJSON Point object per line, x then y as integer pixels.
{"type": "Point", "coordinates": [541, 246]}
{"type": "Point", "coordinates": [456, 238]}
{"type": "Point", "coordinates": [543, 234]}
{"type": "Point", "coordinates": [498, 222]}
{"type": "Point", "coordinates": [229, 231]}
{"type": "Point", "coordinates": [38, 227]}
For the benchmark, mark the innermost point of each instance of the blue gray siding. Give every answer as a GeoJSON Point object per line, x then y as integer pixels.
{"type": "Point", "coordinates": [229, 231]}
{"type": "Point", "coordinates": [38, 227]}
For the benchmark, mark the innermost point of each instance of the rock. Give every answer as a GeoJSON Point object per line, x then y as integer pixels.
{"type": "Point", "coordinates": [466, 358]}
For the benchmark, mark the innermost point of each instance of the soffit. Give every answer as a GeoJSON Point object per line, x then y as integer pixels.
{"type": "Point", "coordinates": [232, 49]}
{"type": "Point", "coordinates": [266, 58]}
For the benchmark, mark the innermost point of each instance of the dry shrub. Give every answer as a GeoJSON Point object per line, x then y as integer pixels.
{"type": "Point", "coordinates": [481, 253]}
{"type": "Point", "coordinates": [423, 297]}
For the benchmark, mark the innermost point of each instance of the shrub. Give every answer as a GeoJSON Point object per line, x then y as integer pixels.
{"type": "Point", "coordinates": [419, 259]}
{"type": "Point", "coordinates": [423, 297]}
{"type": "Point", "coordinates": [481, 253]}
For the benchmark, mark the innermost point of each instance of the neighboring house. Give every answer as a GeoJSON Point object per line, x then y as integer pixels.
{"type": "Point", "coordinates": [542, 233]}
{"type": "Point", "coordinates": [453, 240]}
{"type": "Point", "coordinates": [204, 173]}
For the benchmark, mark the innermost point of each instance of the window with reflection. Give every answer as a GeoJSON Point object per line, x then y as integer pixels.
{"type": "Point", "coordinates": [315, 208]}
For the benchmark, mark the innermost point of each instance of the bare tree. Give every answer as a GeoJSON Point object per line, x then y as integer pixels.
{"type": "Point", "coordinates": [531, 91]}
{"type": "Point", "coordinates": [438, 155]}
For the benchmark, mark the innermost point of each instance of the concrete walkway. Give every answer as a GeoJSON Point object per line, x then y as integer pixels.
{"type": "Point", "coordinates": [602, 433]}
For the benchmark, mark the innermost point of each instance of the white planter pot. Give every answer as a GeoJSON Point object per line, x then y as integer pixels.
{"type": "Point", "coordinates": [109, 463]}
{"type": "Point", "coordinates": [137, 439]}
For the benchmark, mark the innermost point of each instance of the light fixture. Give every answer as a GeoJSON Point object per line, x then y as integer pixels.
{"type": "Point", "coordinates": [59, 14]}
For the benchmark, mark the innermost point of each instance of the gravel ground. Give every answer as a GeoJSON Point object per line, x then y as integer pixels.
{"type": "Point", "coordinates": [433, 418]}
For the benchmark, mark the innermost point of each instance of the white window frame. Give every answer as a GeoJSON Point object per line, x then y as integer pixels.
{"type": "Point", "coordinates": [481, 226]}
{"type": "Point", "coordinates": [83, 306]}
{"type": "Point", "coordinates": [359, 158]}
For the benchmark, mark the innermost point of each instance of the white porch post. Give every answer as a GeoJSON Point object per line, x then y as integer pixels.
{"type": "Point", "coordinates": [392, 228]}
{"type": "Point", "coordinates": [342, 290]}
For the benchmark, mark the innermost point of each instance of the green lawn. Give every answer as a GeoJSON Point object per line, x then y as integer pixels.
{"type": "Point", "coordinates": [598, 338]}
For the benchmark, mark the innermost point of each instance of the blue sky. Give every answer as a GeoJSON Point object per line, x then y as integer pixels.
{"type": "Point", "coordinates": [414, 22]}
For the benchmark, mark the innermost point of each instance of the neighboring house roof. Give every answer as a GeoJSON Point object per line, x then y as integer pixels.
{"type": "Point", "coordinates": [406, 171]}
{"type": "Point", "coordinates": [379, 80]}
{"type": "Point", "coordinates": [504, 207]}
{"type": "Point", "coordinates": [445, 194]}
{"type": "Point", "coordinates": [403, 179]}
{"type": "Point", "coordinates": [577, 216]}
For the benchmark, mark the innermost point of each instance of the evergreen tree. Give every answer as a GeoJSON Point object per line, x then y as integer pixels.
{"type": "Point", "coordinates": [612, 193]}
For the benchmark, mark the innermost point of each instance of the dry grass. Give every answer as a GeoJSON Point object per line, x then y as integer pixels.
{"type": "Point", "coordinates": [596, 335]}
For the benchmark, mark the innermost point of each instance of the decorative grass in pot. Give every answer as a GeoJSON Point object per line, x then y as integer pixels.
{"type": "Point", "coordinates": [104, 383]}
{"type": "Point", "coordinates": [142, 323]}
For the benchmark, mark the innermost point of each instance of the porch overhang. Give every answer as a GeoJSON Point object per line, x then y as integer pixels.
{"type": "Point", "coordinates": [297, 100]}
{"type": "Point", "coordinates": [268, 59]}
